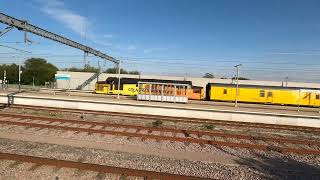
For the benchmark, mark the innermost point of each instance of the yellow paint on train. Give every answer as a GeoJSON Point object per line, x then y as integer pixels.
{"type": "Point", "coordinates": [196, 93]}
{"type": "Point", "coordinates": [265, 94]}
{"type": "Point", "coordinates": [128, 89]}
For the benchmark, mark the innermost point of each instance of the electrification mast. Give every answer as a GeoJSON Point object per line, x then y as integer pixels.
{"type": "Point", "coordinates": [25, 26]}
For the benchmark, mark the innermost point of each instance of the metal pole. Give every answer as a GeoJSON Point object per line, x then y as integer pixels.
{"type": "Point", "coordinates": [299, 100]}
{"type": "Point", "coordinates": [119, 72]}
{"type": "Point", "coordinates": [162, 92]}
{"type": "Point", "coordinates": [237, 85]}
{"type": "Point", "coordinates": [19, 74]}
{"type": "Point", "coordinates": [33, 82]}
{"type": "Point", "coordinates": [4, 79]}
{"type": "Point", "coordinates": [150, 91]}
{"type": "Point", "coordinates": [287, 81]}
{"type": "Point", "coordinates": [174, 100]}
{"type": "Point", "coordinates": [99, 70]}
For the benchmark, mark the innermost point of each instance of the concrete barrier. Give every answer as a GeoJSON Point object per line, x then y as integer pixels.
{"type": "Point", "coordinates": [229, 115]}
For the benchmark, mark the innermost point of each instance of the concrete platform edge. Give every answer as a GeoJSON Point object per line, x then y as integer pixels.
{"type": "Point", "coordinates": [230, 115]}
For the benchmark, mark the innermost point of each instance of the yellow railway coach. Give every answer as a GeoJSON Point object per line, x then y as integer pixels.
{"type": "Point", "coordinates": [264, 94]}
{"type": "Point", "coordinates": [129, 87]}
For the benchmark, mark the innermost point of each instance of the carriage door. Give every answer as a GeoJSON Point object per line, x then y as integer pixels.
{"type": "Point", "coordinates": [316, 99]}
{"type": "Point", "coordinates": [269, 96]}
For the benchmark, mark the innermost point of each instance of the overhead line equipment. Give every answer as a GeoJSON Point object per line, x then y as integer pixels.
{"type": "Point", "coordinates": [25, 26]}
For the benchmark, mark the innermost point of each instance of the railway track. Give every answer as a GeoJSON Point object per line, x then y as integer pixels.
{"type": "Point", "coordinates": [95, 167]}
{"type": "Point", "coordinates": [312, 130]}
{"type": "Point", "coordinates": [190, 136]}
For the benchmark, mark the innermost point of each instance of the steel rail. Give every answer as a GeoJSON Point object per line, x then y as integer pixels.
{"type": "Point", "coordinates": [179, 119]}
{"type": "Point", "coordinates": [186, 132]}
{"type": "Point", "coordinates": [95, 167]}
{"type": "Point", "coordinates": [168, 138]}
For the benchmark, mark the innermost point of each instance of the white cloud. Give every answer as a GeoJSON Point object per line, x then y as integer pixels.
{"type": "Point", "coordinates": [79, 24]}
{"type": "Point", "coordinates": [57, 10]}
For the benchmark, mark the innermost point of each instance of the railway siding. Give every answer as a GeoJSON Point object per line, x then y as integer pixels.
{"type": "Point", "coordinates": [59, 124]}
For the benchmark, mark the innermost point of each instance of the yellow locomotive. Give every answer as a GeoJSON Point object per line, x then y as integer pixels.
{"type": "Point", "coordinates": [264, 94]}
{"type": "Point", "coordinates": [129, 87]}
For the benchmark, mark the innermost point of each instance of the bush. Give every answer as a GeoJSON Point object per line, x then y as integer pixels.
{"type": "Point", "coordinates": [208, 126]}
{"type": "Point", "coordinates": [157, 123]}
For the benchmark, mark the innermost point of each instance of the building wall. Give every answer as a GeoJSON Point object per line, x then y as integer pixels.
{"type": "Point", "coordinates": [78, 78]}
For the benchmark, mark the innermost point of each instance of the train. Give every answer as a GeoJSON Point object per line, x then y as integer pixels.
{"type": "Point", "coordinates": [129, 87]}
{"type": "Point", "coordinates": [260, 94]}
{"type": "Point", "coordinates": [278, 95]}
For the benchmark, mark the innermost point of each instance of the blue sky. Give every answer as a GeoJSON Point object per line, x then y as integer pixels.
{"type": "Point", "coordinates": [272, 39]}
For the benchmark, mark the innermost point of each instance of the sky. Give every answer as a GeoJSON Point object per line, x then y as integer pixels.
{"type": "Point", "coordinates": [272, 39]}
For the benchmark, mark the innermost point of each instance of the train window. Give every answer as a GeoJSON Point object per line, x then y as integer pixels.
{"type": "Point", "coordinates": [317, 96]}
{"type": "Point", "coordinates": [269, 94]}
{"type": "Point", "coordinates": [262, 93]}
{"type": "Point", "coordinates": [195, 90]}
{"type": "Point", "coordinates": [225, 91]}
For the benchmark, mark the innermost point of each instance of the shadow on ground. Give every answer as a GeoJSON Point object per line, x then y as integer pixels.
{"type": "Point", "coordinates": [282, 168]}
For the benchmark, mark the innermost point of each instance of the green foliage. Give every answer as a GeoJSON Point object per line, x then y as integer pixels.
{"type": "Point", "coordinates": [34, 67]}
{"type": "Point", "coordinates": [134, 72]}
{"type": "Point", "coordinates": [87, 68]}
{"type": "Point", "coordinates": [208, 75]}
{"type": "Point", "coordinates": [241, 78]}
{"type": "Point", "coordinates": [157, 123]}
{"type": "Point", "coordinates": [39, 69]}
{"type": "Point", "coordinates": [208, 126]}
{"type": "Point", "coordinates": [12, 71]}
{"type": "Point", "coordinates": [115, 70]}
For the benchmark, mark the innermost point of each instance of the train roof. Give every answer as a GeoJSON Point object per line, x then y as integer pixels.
{"type": "Point", "coordinates": [262, 86]}
{"type": "Point", "coordinates": [109, 80]}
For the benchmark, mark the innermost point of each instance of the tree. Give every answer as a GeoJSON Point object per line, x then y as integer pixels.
{"type": "Point", "coordinates": [115, 71]}
{"type": "Point", "coordinates": [87, 68]}
{"type": "Point", "coordinates": [12, 71]}
{"type": "Point", "coordinates": [39, 69]}
{"type": "Point", "coordinates": [240, 78]}
{"type": "Point", "coordinates": [134, 72]}
{"type": "Point", "coordinates": [208, 75]}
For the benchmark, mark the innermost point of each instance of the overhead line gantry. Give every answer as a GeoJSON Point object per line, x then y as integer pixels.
{"type": "Point", "coordinates": [25, 26]}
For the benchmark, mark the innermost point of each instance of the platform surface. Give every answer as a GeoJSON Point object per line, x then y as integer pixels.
{"type": "Point", "coordinates": [245, 107]}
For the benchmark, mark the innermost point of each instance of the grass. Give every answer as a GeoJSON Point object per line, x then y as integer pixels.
{"type": "Point", "coordinates": [53, 114]}
{"type": "Point", "coordinates": [208, 126]}
{"type": "Point", "coordinates": [157, 123]}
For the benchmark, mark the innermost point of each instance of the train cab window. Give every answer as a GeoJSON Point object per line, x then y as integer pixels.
{"type": "Point", "coordinates": [262, 93]}
{"type": "Point", "coordinates": [196, 90]}
{"type": "Point", "coordinates": [269, 94]}
{"type": "Point", "coordinates": [225, 91]}
{"type": "Point", "coordinates": [317, 96]}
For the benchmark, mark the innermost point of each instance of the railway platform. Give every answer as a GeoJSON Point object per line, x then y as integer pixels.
{"type": "Point", "coordinates": [257, 113]}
